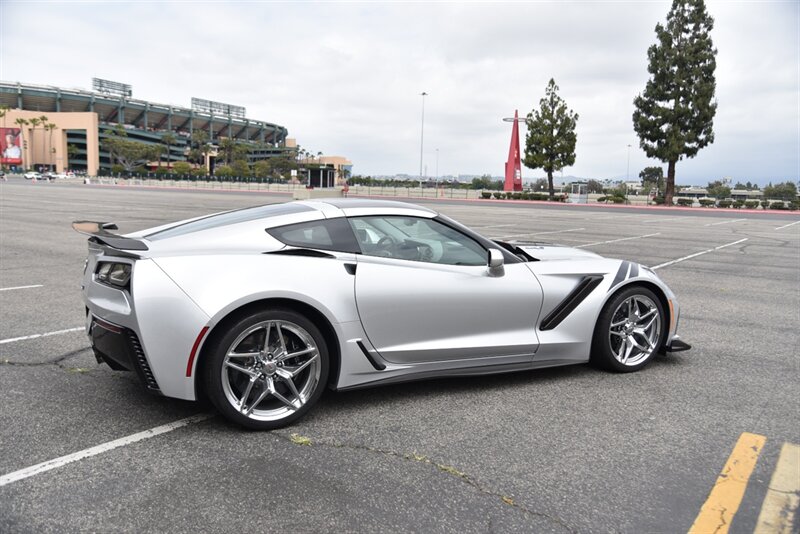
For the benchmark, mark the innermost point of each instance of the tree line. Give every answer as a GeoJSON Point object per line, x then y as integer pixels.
{"type": "Point", "coordinates": [127, 155]}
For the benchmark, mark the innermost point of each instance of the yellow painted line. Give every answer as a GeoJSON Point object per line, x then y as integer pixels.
{"type": "Point", "coordinates": [783, 495]}
{"type": "Point", "coordinates": [717, 513]}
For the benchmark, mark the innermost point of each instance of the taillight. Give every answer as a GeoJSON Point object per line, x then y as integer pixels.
{"type": "Point", "coordinates": [113, 274]}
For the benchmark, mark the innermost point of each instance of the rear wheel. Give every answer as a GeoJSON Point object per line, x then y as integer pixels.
{"type": "Point", "coordinates": [629, 330]}
{"type": "Point", "coordinates": [268, 369]}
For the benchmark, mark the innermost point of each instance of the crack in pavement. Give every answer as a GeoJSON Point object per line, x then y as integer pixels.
{"type": "Point", "coordinates": [299, 440]}
{"type": "Point", "coordinates": [55, 361]}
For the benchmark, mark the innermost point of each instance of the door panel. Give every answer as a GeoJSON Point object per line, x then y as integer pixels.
{"type": "Point", "coordinates": [417, 312]}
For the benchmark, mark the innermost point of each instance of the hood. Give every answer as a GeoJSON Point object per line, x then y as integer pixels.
{"type": "Point", "coordinates": [548, 251]}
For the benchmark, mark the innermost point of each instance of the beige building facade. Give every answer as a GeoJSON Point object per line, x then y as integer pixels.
{"type": "Point", "coordinates": [41, 147]}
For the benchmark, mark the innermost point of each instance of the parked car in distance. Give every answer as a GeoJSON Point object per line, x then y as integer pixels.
{"type": "Point", "coordinates": [32, 175]}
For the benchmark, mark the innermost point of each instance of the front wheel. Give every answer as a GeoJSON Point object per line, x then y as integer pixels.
{"type": "Point", "coordinates": [629, 330]}
{"type": "Point", "coordinates": [267, 369]}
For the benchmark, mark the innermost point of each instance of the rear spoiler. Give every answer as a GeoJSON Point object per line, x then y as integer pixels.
{"type": "Point", "coordinates": [98, 232]}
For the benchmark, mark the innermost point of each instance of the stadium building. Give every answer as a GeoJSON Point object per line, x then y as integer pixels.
{"type": "Point", "coordinates": [59, 129]}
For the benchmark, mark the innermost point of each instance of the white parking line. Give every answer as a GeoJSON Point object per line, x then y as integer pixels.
{"type": "Point", "coordinates": [617, 216]}
{"type": "Point", "coordinates": [20, 287]}
{"type": "Point", "coordinates": [662, 220]}
{"type": "Point", "coordinates": [34, 336]}
{"type": "Point", "coordinates": [787, 225]}
{"type": "Point", "coordinates": [690, 256]}
{"type": "Point", "coordinates": [542, 233]}
{"type": "Point", "coordinates": [617, 240]}
{"type": "Point", "coordinates": [495, 226]}
{"type": "Point", "coordinates": [99, 449]}
{"type": "Point", "coordinates": [725, 222]}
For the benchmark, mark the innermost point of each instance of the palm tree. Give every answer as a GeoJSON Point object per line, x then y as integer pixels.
{"type": "Point", "coordinates": [3, 110]}
{"type": "Point", "coordinates": [22, 123]}
{"type": "Point", "coordinates": [168, 139]}
{"type": "Point", "coordinates": [50, 127]}
{"type": "Point", "coordinates": [227, 146]}
{"type": "Point", "coordinates": [34, 122]}
{"type": "Point", "coordinates": [72, 152]}
{"type": "Point", "coordinates": [44, 120]}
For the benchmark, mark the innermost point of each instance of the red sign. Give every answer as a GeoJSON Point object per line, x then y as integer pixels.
{"type": "Point", "coordinates": [10, 146]}
{"type": "Point", "coordinates": [513, 165]}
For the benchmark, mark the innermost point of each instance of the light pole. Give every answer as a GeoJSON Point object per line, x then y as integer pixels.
{"type": "Point", "coordinates": [422, 137]}
{"type": "Point", "coordinates": [437, 172]}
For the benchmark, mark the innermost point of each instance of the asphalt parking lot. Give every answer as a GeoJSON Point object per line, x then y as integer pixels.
{"type": "Point", "coordinates": [562, 450]}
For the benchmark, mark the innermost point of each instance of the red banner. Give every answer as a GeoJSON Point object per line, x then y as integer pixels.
{"type": "Point", "coordinates": [10, 146]}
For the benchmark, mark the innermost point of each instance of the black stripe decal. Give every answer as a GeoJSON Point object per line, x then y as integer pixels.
{"type": "Point", "coordinates": [571, 301]}
{"type": "Point", "coordinates": [623, 270]}
{"type": "Point", "coordinates": [375, 363]}
{"type": "Point", "coordinates": [634, 270]}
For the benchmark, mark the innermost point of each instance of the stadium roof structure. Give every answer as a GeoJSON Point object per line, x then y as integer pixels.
{"type": "Point", "coordinates": [140, 114]}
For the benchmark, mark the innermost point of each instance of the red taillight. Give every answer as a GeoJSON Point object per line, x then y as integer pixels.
{"type": "Point", "coordinates": [196, 345]}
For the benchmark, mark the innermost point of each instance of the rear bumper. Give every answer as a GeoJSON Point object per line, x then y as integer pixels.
{"type": "Point", "coordinates": [119, 347]}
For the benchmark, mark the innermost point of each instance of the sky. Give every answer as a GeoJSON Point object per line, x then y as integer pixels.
{"type": "Point", "coordinates": [345, 77]}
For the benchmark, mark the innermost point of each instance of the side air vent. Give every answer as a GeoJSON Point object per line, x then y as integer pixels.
{"type": "Point", "coordinates": [375, 363]}
{"type": "Point", "coordinates": [571, 301]}
{"type": "Point", "coordinates": [139, 360]}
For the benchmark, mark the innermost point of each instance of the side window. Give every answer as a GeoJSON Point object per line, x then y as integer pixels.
{"type": "Point", "coordinates": [325, 234]}
{"type": "Point", "coordinates": [416, 239]}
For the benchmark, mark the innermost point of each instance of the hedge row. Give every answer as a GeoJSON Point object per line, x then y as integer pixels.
{"type": "Point", "coordinates": [749, 204]}
{"type": "Point", "coordinates": [518, 195]}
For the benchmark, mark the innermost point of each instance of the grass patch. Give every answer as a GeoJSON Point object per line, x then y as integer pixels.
{"type": "Point", "coordinates": [297, 439]}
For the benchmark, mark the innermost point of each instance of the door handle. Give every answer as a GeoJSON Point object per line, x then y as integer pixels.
{"type": "Point", "coordinates": [350, 268]}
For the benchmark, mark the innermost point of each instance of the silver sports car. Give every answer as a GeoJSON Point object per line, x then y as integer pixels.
{"type": "Point", "coordinates": [259, 309]}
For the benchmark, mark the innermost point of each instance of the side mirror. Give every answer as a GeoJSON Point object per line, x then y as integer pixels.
{"type": "Point", "coordinates": [496, 262]}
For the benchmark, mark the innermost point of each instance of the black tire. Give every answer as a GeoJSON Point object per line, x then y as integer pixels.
{"type": "Point", "coordinates": [603, 349]}
{"type": "Point", "coordinates": [221, 389]}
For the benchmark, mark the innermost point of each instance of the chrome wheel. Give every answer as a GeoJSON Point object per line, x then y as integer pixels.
{"type": "Point", "coordinates": [635, 330]}
{"type": "Point", "coordinates": [271, 370]}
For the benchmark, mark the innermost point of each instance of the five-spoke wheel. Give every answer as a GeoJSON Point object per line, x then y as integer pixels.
{"type": "Point", "coordinates": [629, 330]}
{"type": "Point", "coordinates": [267, 369]}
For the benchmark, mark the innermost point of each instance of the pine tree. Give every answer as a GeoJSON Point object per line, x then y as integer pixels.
{"type": "Point", "coordinates": [550, 143]}
{"type": "Point", "coordinates": [674, 117]}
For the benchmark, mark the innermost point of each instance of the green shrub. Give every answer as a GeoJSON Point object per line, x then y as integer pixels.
{"type": "Point", "coordinates": [499, 195]}
{"type": "Point", "coordinates": [486, 194]}
{"type": "Point", "coordinates": [509, 195]}
{"type": "Point", "coordinates": [517, 196]}
{"type": "Point", "coordinates": [725, 203]}
{"type": "Point", "coordinates": [181, 167]}
{"type": "Point", "coordinates": [738, 203]}
{"type": "Point", "coordinates": [764, 204]}
{"type": "Point", "coordinates": [751, 204]}
{"type": "Point", "coordinates": [777, 205]}
{"type": "Point", "coordinates": [117, 169]}
{"type": "Point", "coordinates": [526, 196]}
{"type": "Point", "coordinates": [199, 171]}
{"type": "Point", "coordinates": [794, 205]}
{"type": "Point", "coordinates": [616, 199]}
{"type": "Point", "coordinates": [538, 196]}
{"type": "Point", "coordinates": [658, 200]}
{"type": "Point", "coordinates": [706, 202]}
{"type": "Point", "coordinates": [602, 199]}
{"type": "Point", "coordinates": [685, 201]}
